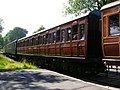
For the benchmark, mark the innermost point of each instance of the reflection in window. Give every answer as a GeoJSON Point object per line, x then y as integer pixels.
{"type": "Point", "coordinates": [68, 34]}
{"type": "Point", "coordinates": [82, 31]}
{"type": "Point", "coordinates": [114, 24]}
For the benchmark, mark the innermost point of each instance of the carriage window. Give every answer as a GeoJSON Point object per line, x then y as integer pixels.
{"type": "Point", "coordinates": [63, 35]}
{"type": "Point", "coordinates": [68, 34]}
{"type": "Point", "coordinates": [82, 31]}
{"type": "Point", "coordinates": [53, 37]}
{"type": "Point", "coordinates": [39, 40]}
{"type": "Point", "coordinates": [25, 43]}
{"type": "Point", "coordinates": [50, 38]}
{"type": "Point", "coordinates": [46, 39]}
{"type": "Point", "coordinates": [114, 24]}
{"type": "Point", "coordinates": [22, 43]}
{"type": "Point", "coordinates": [58, 36]}
{"type": "Point", "coordinates": [30, 42]}
{"type": "Point", "coordinates": [36, 41]}
{"type": "Point", "coordinates": [42, 41]}
{"type": "Point", "coordinates": [75, 32]}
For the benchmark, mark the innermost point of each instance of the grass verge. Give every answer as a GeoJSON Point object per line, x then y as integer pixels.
{"type": "Point", "coordinates": [7, 64]}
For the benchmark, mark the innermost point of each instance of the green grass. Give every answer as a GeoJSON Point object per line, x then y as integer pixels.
{"type": "Point", "coordinates": [9, 64]}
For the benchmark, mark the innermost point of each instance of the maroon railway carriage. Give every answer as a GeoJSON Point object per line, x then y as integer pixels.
{"type": "Point", "coordinates": [111, 33]}
{"type": "Point", "coordinates": [77, 38]}
{"type": "Point", "coordinates": [78, 45]}
{"type": "Point", "coordinates": [73, 45]}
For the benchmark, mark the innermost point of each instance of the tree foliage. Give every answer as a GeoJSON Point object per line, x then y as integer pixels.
{"type": "Point", "coordinates": [40, 29]}
{"type": "Point", "coordinates": [1, 27]}
{"type": "Point", "coordinates": [14, 34]}
{"type": "Point", "coordinates": [76, 7]}
{"type": "Point", "coordinates": [1, 41]}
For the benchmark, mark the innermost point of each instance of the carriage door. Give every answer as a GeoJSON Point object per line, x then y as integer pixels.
{"type": "Point", "coordinates": [111, 35]}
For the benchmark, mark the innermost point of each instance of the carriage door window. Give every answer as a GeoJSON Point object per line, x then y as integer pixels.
{"type": "Point", "coordinates": [50, 37]}
{"type": "Point", "coordinates": [68, 34]}
{"type": "Point", "coordinates": [53, 37]}
{"type": "Point", "coordinates": [39, 39]}
{"type": "Point", "coordinates": [46, 39]}
{"type": "Point", "coordinates": [82, 31]}
{"type": "Point", "coordinates": [42, 40]}
{"type": "Point", "coordinates": [35, 40]}
{"type": "Point", "coordinates": [58, 36]}
{"type": "Point", "coordinates": [31, 42]}
{"type": "Point", "coordinates": [114, 25]}
{"type": "Point", "coordinates": [63, 35]}
{"type": "Point", "coordinates": [28, 42]}
{"type": "Point", "coordinates": [75, 32]}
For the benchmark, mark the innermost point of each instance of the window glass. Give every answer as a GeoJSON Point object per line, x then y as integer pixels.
{"type": "Point", "coordinates": [25, 42]}
{"type": "Point", "coordinates": [58, 36]}
{"type": "Point", "coordinates": [53, 37]}
{"type": "Point", "coordinates": [114, 24]}
{"type": "Point", "coordinates": [44, 39]}
{"type": "Point", "coordinates": [68, 34]}
{"type": "Point", "coordinates": [36, 41]}
{"type": "Point", "coordinates": [30, 42]}
{"type": "Point", "coordinates": [82, 31]}
{"type": "Point", "coordinates": [39, 39]}
{"type": "Point", "coordinates": [63, 35]}
{"type": "Point", "coordinates": [75, 32]}
{"type": "Point", "coordinates": [50, 38]}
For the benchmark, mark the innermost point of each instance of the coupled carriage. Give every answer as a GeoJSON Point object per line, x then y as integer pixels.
{"type": "Point", "coordinates": [80, 45]}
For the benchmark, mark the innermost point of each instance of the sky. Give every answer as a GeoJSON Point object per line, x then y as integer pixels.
{"type": "Point", "coordinates": [31, 14]}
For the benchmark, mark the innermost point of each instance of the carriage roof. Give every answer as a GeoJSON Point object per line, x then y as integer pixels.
{"type": "Point", "coordinates": [111, 5]}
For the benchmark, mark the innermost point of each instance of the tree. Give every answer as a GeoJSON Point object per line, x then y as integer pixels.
{"type": "Point", "coordinates": [1, 28]}
{"type": "Point", "coordinates": [76, 7]}
{"type": "Point", "coordinates": [14, 34]}
{"type": "Point", "coordinates": [40, 29]}
{"type": "Point", "coordinates": [1, 41]}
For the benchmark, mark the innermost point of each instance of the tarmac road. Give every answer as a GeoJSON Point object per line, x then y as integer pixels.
{"type": "Point", "coordinates": [44, 80]}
